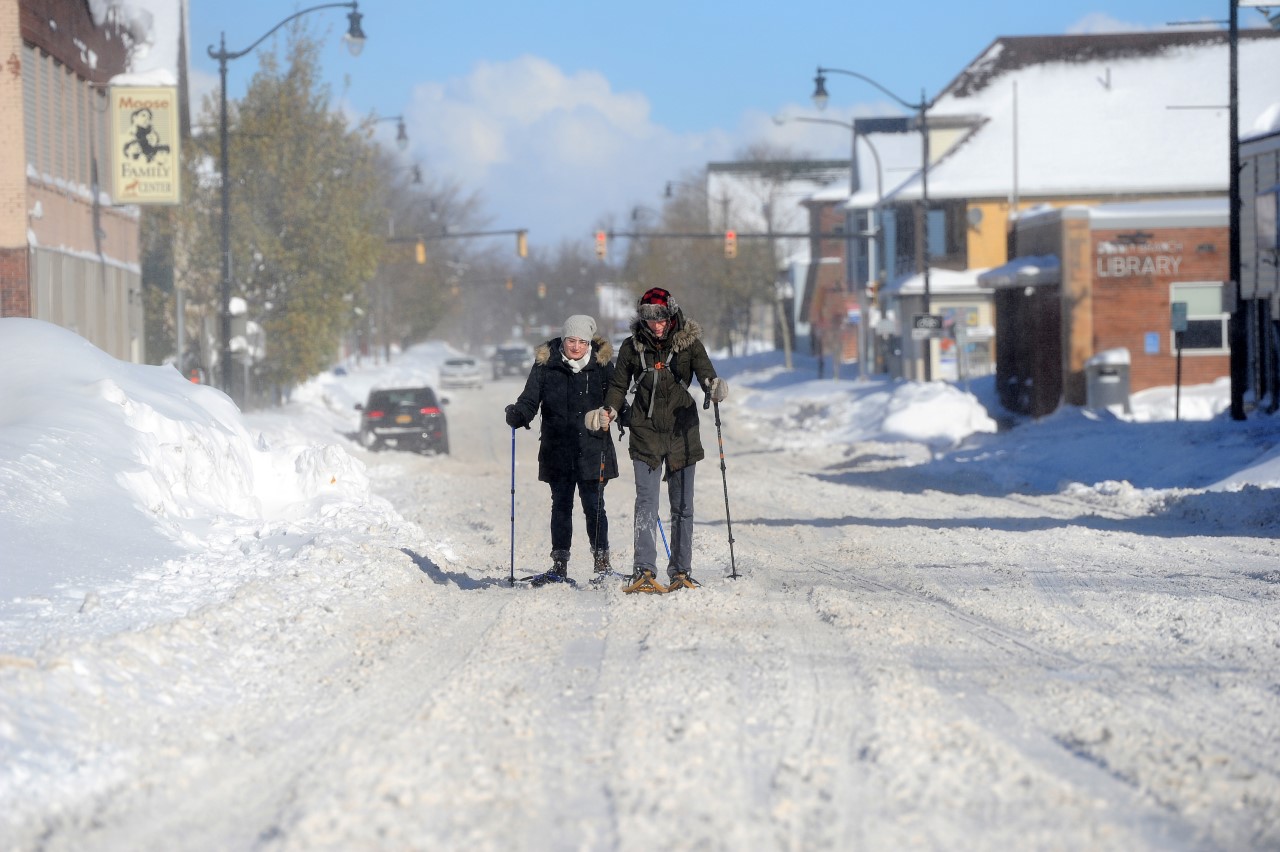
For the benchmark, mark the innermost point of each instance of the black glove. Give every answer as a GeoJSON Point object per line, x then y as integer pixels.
{"type": "Point", "coordinates": [514, 418]}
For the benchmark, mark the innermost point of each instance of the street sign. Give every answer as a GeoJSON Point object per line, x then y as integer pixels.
{"type": "Point", "coordinates": [924, 326]}
{"type": "Point", "coordinates": [1179, 316]}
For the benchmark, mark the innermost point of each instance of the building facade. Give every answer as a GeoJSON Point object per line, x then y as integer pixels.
{"type": "Point", "coordinates": [1090, 280]}
{"type": "Point", "coordinates": [67, 255]}
{"type": "Point", "coordinates": [1067, 121]}
{"type": "Point", "coordinates": [1260, 259]}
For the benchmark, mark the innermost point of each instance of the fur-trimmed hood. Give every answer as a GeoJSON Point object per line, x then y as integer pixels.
{"type": "Point", "coordinates": [602, 348]}
{"type": "Point", "coordinates": [686, 332]}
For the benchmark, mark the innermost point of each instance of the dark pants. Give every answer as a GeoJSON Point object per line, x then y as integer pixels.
{"type": "Point", "coordinates": [591, 493]}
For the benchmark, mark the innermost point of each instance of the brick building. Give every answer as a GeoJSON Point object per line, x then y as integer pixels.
{"type": "Point", "coordinates": [1086, 280]}
{"type": "Point", "coordinates": [66, 254]}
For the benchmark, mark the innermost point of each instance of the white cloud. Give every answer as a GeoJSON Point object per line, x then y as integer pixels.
{"type": "Point", "coordinates": [548, 150]}
{"type": "Point", "coordinates": [1101, 22]}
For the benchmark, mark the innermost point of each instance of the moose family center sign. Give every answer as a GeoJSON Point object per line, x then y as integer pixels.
{"type": "Point", "coordinates": [144, 145]}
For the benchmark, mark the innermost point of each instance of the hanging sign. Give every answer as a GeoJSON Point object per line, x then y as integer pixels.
{"type": "Point", "coordinates": [144, 145]}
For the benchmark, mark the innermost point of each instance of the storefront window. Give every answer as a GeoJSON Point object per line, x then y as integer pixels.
{"type": "Point", "coordinates": [1206, 321]}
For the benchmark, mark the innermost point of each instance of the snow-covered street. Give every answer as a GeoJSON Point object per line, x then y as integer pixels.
{"type": "Point", "coordinates": [1063, 636]}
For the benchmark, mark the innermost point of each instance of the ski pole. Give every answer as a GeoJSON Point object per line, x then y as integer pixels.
{"type": "Point", "coordinates": [665, 546]}
{"type": "Point", "coordinates": [595, 539]}
{"type": "Point", "coordinates": [724, 478]}
{"type": "Point", "coordinates": [511, 578]}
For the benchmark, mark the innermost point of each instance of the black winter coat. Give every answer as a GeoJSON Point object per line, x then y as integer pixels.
{"type": "Point", "coordinates": [569, 451]}
{"type": "Point", "coordinates": [664, 413]}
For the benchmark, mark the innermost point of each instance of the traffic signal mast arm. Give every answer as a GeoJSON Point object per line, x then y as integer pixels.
{"type": "Point", "coordinates": [720, 235]}
{"type": "Point", "coordinates": [420, 241]}
{"type": "Point", "coordinates": [450, 235]}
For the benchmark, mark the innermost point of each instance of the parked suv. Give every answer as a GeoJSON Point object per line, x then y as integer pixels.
{"type": "Point", "coordinates": [404, 418]}
{"type": "Point", "coordinates": [512, 360]}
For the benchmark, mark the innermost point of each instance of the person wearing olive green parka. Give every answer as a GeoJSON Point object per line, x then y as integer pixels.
{"type": "Point", "coordinates": [661, 359]}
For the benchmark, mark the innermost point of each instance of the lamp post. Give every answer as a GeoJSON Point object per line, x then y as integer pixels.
{"type": "Point", "coordinates": [922, 111]}
{"type": "Point", "coordinates": [355, 42]}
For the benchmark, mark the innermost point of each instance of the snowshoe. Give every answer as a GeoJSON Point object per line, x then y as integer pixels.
{"type": "Point", "coordinates": [643, 581]}
{"type": "Point", "coordinates": [558, 573]}
{"type": "Point", "coordinates": [681, 580]}
{"type": "Point", "coordinates": [546, 577]}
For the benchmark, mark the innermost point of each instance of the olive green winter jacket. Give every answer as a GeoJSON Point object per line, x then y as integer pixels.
{"type": "Point", "coordinates": [664, 414]}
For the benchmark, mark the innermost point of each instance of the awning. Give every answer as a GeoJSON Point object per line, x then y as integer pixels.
{"type": "Point", "coordinates": [1023, 272]}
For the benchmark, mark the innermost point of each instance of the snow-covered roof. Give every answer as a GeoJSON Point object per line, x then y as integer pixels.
{"type": "Point", "coordinates": [884, 160]}
{"type": "Point", "coordinates": [1170, 213]}
{"type": "Point", "coordinates": [1028, 271]}
{"type": "Point", "coordinates": [1209, 212]}
{"type": "Point", "coordinates": [1100, 115]}
{"type": "Point", "coordinates": [1266, 124]}
{"type": "Point", "coordinates": [156, 26]}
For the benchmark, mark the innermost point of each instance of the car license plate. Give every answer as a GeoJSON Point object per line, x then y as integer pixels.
{"type": "Point", "coordinates": [404, 418]}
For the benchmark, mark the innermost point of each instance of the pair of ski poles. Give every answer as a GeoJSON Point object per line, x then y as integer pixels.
{"type": "Point", "coordinates": [511, 576]}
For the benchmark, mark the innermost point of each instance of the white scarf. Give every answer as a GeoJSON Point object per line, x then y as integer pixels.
{"type": "Point", "coordinates": [576, 365]}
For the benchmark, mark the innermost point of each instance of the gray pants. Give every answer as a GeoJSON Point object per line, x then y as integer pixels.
{"type": "Point", "coordinates": [680, 495]}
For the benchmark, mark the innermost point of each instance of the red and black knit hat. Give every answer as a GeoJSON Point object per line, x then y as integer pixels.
{"type": "Point", "coordinates": [657, 304]}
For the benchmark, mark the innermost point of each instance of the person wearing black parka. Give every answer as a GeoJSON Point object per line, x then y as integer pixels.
{"type": "Point", "coordinates": [569, 377]}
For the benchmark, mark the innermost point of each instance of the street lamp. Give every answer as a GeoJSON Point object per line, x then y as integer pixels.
{"type": "Point", "coordinates": [402, 135]}
{"type": "Point", "coordinates": [820, 98]}
{"type": "Point", "coordinates": [355, 42]}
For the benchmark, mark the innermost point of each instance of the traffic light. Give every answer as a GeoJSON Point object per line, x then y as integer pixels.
{"type": "Point", "coordinates": [420, 252]}
{"type": "Point", "coordinates": [731, 244]}
{"type": "Point", "coordinates": [510, 284]}
{"type": "Point", "coordinates": [542, 290]}
{"type": "Point", "coordinates": [602, 244]}
{"type": "Point", "coordinates": [522, 243]}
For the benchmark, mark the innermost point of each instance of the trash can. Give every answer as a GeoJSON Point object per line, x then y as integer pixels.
{"type": "Point", "coordinates": [1107, 380]}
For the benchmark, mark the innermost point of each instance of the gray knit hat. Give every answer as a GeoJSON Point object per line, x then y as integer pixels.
{"type": "Point", "coordinates": [580, 326]}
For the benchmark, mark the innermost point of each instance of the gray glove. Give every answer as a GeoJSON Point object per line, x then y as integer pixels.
{"type": "Point", "coordinates": [598, 419]}
{"type": "Point", "coordinates": [719, 390]}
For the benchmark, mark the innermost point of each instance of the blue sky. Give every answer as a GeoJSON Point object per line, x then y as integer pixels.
{"type": "Point", "coordinates": [563, 115]}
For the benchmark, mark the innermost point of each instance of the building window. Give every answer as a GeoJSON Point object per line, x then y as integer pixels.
{"type": "Point", "coordinates": [64, 120]}
{"type": "Point", "coordinates": [939, 243]}
{"type": "Point", "coordinates": [1206, 332]}
{"type": "Point", "coordinates": [889, 243]}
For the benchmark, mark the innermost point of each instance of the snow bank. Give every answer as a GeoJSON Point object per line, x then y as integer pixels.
{"type": "Point", "coordinates": [109, 468]}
